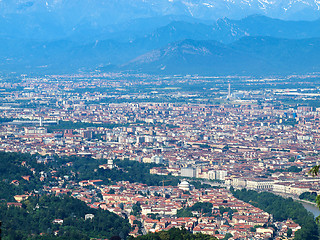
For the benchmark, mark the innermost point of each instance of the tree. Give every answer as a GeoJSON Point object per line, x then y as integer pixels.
{"type": "Point", "coordinates": [314, 172]}
{"type": "Point", "coordinates": [227, 236]}
{"type": "Point", "coordinates": [310, 196]}
{"type": "Point", "coordinates": [282, 209]}
{"type": "Point", "coordinates": [292, 159]}
{"type": "Point", "coordinates": [136, 209]}
{"type": "Point", "coordinates": [111, 191]}
{"type": "Point", "coordinates": [175, 234]}
{"type": "Point", "coordinates": [184, 213]}
{"type": "Point", "coordinates": [115, 238]}
{"type": "Point", "coordinates": [37, 215]}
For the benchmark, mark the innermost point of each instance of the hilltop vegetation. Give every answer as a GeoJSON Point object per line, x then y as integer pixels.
{"type": "Point", "coordinates": [37, 215]}
{"type": "Point", "coordinates": [131, 171]}
{"type": "Point", "coordinates": [15, 166]}
{"type": "Point", "coordinates": [175, 234]}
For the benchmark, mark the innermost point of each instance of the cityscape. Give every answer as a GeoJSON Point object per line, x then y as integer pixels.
{"type": "Point", "coordinates": [159, 120]}
{"type": "Point", "coordinates": [204, 139]}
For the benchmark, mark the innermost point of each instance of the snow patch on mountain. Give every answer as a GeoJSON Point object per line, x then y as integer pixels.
{"type": "Point", "coordinates": [317, 3]}
{"type": "Point", "coordinates": [90, 15]}
{"type": "Point", "coordinates": [208, 5]}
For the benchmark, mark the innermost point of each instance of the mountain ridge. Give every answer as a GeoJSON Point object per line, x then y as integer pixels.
{"type": "Point", "coordinates": [69, 54]}
{"type": "Point", "coordinates": [249, 55]}
{"type": "Point", "coordinates": [54, 19]}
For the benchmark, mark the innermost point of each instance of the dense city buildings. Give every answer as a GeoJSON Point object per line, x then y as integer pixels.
{"type": "Point", "coordinates": [258, 134]}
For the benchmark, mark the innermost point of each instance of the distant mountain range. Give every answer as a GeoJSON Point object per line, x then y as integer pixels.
{"type": "Point", "coordinates": [100, 19]}
{"type": "Point", "coordinates": [247, 56]}
{"type": "Point", "coordinates": [159, 37]}
{"type": "Point", "coordinates": [59, 18]}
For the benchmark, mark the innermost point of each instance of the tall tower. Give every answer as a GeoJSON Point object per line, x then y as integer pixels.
{"type": "Point", "coordinates": [40, 122]}
{"type": "Point", "coordinates": [229, 91]}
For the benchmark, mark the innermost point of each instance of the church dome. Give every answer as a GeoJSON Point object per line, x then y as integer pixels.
{"type": "Point", "coordinates": [184, 185]}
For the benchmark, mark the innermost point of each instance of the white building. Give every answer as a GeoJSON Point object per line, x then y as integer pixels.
{"type": "Point", "coordinates": [184, 185]}
{"type": "Point", "coordinates": [257, 184]}
{"type": "Point", "coordinates": [157, 159]}
{"type": "Point", "coordinates": [188, 172]}
{"type": "Point", "coordinates": [221, 174]}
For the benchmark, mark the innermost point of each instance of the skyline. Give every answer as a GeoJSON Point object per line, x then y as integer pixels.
{"type": "Point", "coordinates": [159, 119]}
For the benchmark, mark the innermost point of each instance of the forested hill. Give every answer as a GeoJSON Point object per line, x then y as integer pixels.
{"type": "Point", "coordinates": [34, 219]}
{"type": "Point", "coordinates": [16, 175]}
{"type": "Point", "coordinates": [50, 217]}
